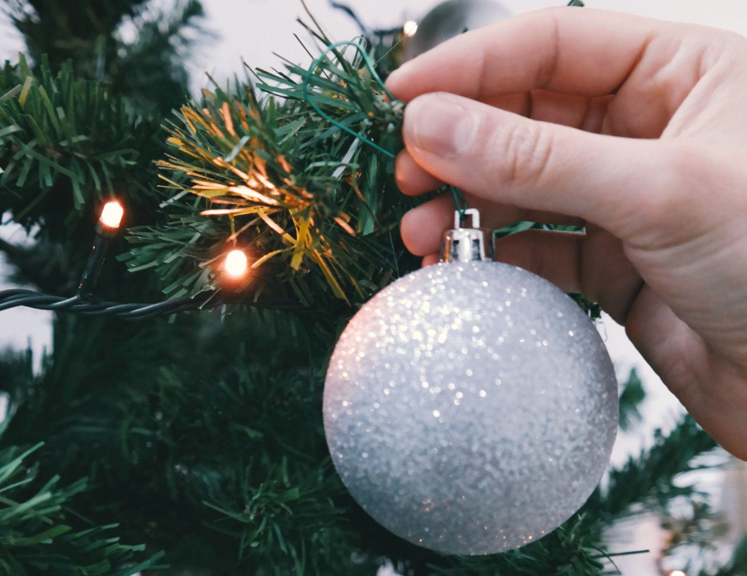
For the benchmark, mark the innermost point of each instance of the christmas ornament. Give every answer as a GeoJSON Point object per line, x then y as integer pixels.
{"type": "Point", "coordinates": [450, 19]}
{"type": "Point", "coordinates": [471, 406]}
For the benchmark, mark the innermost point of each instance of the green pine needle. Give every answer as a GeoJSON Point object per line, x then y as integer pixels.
{"type": "Point", "coordinates": [62, 136]}
{"type": "Point", "coordinates": [39, 534]}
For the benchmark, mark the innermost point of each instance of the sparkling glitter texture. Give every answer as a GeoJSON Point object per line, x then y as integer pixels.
{"type": "Point", "coordinates": [470, 408]}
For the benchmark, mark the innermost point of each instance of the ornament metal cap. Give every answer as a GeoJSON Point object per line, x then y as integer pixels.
{"type": "Point", "coordinates": [468, 244]}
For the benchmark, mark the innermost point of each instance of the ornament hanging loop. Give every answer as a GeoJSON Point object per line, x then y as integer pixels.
{"type": "Point", "coordinates": [473, 244]}
{"type": "Point", "coordinates": [460, 215]}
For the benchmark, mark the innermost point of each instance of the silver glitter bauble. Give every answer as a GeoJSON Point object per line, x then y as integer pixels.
{"type": "Point", "coordinates": [470, 407]}
{"type": "Point", "coordinates": [452, 18]}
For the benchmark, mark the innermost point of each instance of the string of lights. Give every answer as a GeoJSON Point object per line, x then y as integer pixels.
{"type": "Point", "coordinates": [76, 305]}
{"type": "Point", "coordinates": [85, 303]}
{"type": "Point", "coordinates": [15, 298]}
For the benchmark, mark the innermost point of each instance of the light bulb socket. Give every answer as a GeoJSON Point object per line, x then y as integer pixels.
{"type": "Point", "coordinates": [106, 231]}
{"type": "Point", "coordinates": [90, 277]}
{"type": "Point", "coordinates": [468, 244]}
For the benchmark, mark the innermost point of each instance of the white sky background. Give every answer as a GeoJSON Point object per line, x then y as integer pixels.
{"type": "Point", "coordinates": [253, 29]}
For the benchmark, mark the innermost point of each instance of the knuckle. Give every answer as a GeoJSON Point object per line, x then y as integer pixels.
{"type": "Point", "coordinates": [675, 193]}
{"type": "Point", "coordinates": [662, 201]}
{"type": "Point", "coordinates": [686, 169]}
{"type": "Point", "coordinates": [655, 207]}
{"type": "Point", "coordinates": [708, 175]}
{"type": "Point", "coordinates": [735, 41]}
{"type": "Point", "coordinates": [685, 159]}
{"type": "Point", "coordinates": [536, 259]}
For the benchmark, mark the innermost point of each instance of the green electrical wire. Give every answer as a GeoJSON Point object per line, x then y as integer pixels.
{"type": "Point", "coordinates": [459, 202]}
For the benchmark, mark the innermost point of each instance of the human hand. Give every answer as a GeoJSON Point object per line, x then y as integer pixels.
{"type": "Point", "coordinates": [636, 129]}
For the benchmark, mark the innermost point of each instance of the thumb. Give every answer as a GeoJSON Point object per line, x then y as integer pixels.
{"type": "Point", "coordinates": [508, 159]}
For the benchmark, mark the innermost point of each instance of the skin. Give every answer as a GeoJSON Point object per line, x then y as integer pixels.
{"type": "Point", "coordinates": [636, 129]}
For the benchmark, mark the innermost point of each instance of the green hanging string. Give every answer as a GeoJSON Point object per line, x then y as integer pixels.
{"type": "Point", "coordinates": [459, 202]}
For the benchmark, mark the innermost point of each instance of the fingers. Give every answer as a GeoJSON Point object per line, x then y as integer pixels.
{"type": "Point", "coordinates": [556, 256]}
{"type": "Point", "coordinates": [607, 275]}
{"type": "Point", "coordinates": [584, 52]}
{"type": "Point", "coordinates": [583, 112]}
{"type": "Point", "coordinates": [710, 387]}
{"type": "Point", "coordinates": [423, 227]}
{"type": "Point", "coordinates": [411, 178]}
{"type": "Point", "coordinates": [507, 159]}
{"type": "Point", "coordinates": [668, 345]}
{"type": "Point", "coordinates": [593, 264]}
{"type": "Point", "coordinates": [578, 112]}
{"type": "Point", "coordinates": [431, 259]}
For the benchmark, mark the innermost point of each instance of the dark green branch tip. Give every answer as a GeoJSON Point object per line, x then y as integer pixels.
{"type": "Point", "coordinates": [371, 69]}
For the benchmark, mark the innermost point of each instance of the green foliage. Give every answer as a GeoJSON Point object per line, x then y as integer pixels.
{"type": "Point", "coordinates": [230, 452]}
{"type": "Point", "coordinates": [69, 137]}
{"type": "Point", "coordinates": [39, 534]}
{"type": "Point", "coordinates": [695, 532]}
{"type": "Point", "coordinates": [44, 265]}
{"type": "Point", "coordinates": [233, 453]}
{"type": "Point", "coordinates": [65, 145]}
{"type": "Point", "coordinates": [649, 478]}
{"type": "Point", "coordinates": [738, 564]}
{"type": "Point", "coordinates": [313, 205]}
{"type": "Point", "coordinates": [16, 371]}
{"type": "Point", "coordinates": [82, 30]}
{"type": "Point", "coordinates": [202, 435]}
{"type": "Point", "coordinates": [149, 71]}
{"type": "Point", "coordinates": [631, 398]}
{"type": "Point", "coordinates": [61, 134]}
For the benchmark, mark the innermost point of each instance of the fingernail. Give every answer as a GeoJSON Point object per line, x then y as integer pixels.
{"type": "Point", "coordinates": [439, 124]}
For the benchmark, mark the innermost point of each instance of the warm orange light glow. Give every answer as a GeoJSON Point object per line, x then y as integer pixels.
{"type": "Point", "coordinates": [111, 215]}
{"type": "Point", "coordinates": [410, 28]}
{"type": "Point", "coordinates": [236, 263]}
{"type": "Point", "coordinates": [677, 573]}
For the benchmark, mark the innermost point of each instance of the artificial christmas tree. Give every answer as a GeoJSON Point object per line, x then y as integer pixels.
{"type": "Point", "coordinates": [200, 435]}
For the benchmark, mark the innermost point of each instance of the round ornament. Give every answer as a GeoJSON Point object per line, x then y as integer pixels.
{"type": "Point", "coordinates": [470, 407]}
{"type": "Point", "coordinates": [452, 18]}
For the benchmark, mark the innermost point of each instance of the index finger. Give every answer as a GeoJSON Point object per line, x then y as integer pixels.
{"type": "Point", "coordinates": [568, 50]}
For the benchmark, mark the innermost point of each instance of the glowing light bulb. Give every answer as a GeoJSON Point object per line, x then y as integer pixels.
{"type": "Point", "coordinates": [236, 263]}
{"type": "Point", "coordinates": [410, 28]}
{"type": "Point", "coordinates": [111, 215]}
{"type": "Point", "coordinates": [677, 573]}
